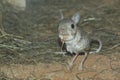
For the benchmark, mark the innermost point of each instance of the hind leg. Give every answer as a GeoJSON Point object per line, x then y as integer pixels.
{"type": "Point", "coordinates": [72, 62]}
{"type": "Point", "coordinates": [83, 61]}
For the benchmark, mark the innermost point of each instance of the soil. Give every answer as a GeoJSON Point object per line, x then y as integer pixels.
{"type": "Point", "coordinates": [29, 40]}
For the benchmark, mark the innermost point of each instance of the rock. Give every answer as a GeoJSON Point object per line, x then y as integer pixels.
{"type": "Point", "coordinates": [17, 4]}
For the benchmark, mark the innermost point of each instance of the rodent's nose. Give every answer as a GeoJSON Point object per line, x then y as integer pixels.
{"type": "Point", "coordinates": [61, 31]}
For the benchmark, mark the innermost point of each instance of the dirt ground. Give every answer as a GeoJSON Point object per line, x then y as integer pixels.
{"type": "Point", "coordinates": [28, 40]}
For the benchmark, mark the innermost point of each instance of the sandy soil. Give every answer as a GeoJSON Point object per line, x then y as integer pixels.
{"type": "Point", "coordinates": [97, 67]}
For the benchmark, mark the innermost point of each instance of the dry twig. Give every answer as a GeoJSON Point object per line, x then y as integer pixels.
{"type": "Point", "coordinates": [118, 44]}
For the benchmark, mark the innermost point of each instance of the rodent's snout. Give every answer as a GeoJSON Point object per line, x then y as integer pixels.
{"type": "Point", "coordinates": [63, 32]}
{"type": "Point", "coordinates": [63, 36]}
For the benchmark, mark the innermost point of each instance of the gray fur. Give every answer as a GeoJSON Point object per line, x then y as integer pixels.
{"type": "Point", "coordinates": [76, 39]}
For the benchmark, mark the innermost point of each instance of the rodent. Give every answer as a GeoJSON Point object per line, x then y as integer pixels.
{"type": "Point", "coordinates": [75, 39]}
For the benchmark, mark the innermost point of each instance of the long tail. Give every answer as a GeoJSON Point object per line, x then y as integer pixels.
{"type": "Point", "coordinates": [100, 45]}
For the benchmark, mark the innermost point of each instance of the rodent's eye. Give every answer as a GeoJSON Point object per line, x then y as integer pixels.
{"type": "Point", "coordinates": [72, 26]}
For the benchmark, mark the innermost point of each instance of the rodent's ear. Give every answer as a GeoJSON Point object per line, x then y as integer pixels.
{"type": "Point", "coordinates": [76, 17]}
{"type": "Point", "coordinates": [61, 15]}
